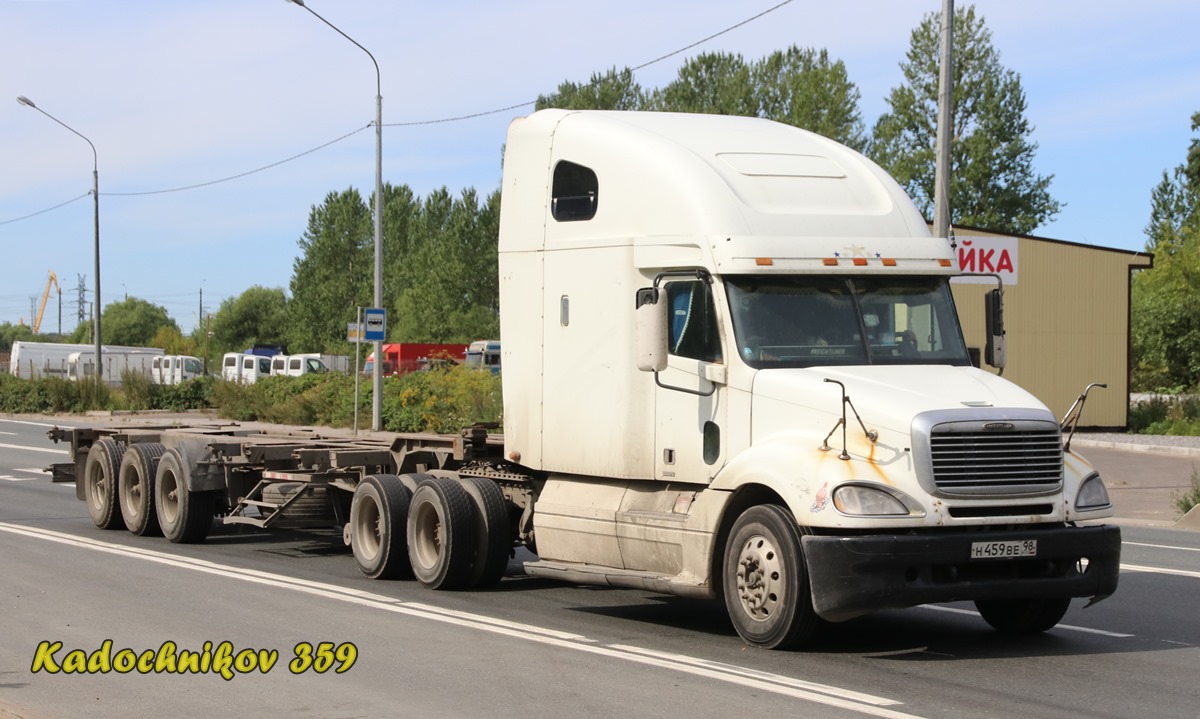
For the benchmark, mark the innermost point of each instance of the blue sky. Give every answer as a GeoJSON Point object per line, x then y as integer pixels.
{"type": "Point", "coordinates": [175, 94]}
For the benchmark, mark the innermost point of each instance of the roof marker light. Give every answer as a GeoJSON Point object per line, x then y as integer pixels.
{"type": "Point", "coordinates": [764, 261]}
{"type": "Point", "coordinates": [830, 262]}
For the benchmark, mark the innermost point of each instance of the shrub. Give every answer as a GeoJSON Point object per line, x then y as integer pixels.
{"type": "Point", "coordinates": [139, 391]}
{"type": "Point", "coordinates": [21, 395]}
{"type": "Point", "coordinates": [1184, 501]}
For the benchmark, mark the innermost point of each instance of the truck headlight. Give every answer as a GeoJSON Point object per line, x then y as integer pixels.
{"type": "Point", "coordinates": [1092, 494]}
{"type": "Point", "coordinates": [865, 500]}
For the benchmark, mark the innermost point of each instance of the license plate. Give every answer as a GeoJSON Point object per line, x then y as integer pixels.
{"type": "Point", "coordinates": [1004, 550]}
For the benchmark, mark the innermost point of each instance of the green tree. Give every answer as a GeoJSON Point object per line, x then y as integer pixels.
{"type": "Point", "coordinates": [1164, 314]}
{"type": "Point", "coordinates": [334, 273]}
{"type": "Point", "coordinates": [450, 290]}
{"type": "Point", "coordinates": [993, 184]}
{"type": "Point", "coordinates": [257, 316]}
{"type": "Point", "coordinates": [10, 333]}
{"type": "Point", "coordinates": [133, 322]}
{"type": "Point", "coordinates": [613, 90]}
{"type": "Point", "coordinates": [804, 88]}
{"type": "Point", "coordinates": [714, 83]}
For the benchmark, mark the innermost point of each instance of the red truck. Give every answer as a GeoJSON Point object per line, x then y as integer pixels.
{"type": "Point", "coordinates": [402, 358]}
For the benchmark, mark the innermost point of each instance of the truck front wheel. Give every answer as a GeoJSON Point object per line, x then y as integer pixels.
{"type": "Point", "coordinates": [1023, 616]}
{"type": "Point", "coordinates": [378, 514]}
{"type": "Point", "coordinates": [766, 586]}
{"type": "Point", "coordinates": [100, 473]}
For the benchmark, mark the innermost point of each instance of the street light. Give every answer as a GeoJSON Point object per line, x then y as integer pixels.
{"type": "Point", "coordinates": [377, 369]}
{"type": "Point", "coordinates": [96, 222]}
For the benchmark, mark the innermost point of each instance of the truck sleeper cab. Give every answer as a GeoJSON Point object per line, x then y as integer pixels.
{"type": "Point", "coordinates": [789, 419]}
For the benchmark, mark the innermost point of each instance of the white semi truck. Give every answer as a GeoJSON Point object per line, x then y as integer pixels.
{"type": "Point", "coordinates": [732, 369]}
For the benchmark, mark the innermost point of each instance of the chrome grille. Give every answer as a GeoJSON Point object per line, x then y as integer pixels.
{"type": "Point", "coordinates": [1020, 461]}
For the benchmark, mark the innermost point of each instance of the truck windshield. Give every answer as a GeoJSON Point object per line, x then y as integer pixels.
{"type": "Point", "coordinates": [807, 321]}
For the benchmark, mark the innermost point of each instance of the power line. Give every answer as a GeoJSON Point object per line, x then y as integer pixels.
{"type": "Point", "coordinates": [416, 123]}
{"type": "Point", "coordinates": [48, 209]}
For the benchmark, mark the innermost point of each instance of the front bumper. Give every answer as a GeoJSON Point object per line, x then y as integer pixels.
{"type": "Point", "coordinates": [851, 576]}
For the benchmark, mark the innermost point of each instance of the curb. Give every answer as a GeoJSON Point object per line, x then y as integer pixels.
{"type": "Point", "coordinates": [1131, 447]}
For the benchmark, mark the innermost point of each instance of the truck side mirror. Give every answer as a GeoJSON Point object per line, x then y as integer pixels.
{"type": "Point", "coordinates": [995, 352]}
{"type": "Point", "coordinates": [651, 329]}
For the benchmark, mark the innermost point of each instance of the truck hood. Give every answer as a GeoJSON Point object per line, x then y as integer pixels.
{"type": "Point", "coordinates": [887, 397]}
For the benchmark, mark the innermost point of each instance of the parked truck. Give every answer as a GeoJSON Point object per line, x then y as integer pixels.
{"type": "Point", "coordinates": [484, 354]}
{"type": "Point", "coordinates": [402, 358]}
{"type": "Point", "coordinates": [688, 306]}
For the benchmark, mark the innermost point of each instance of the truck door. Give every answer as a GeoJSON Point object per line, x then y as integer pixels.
{"type": "Point", "coordinates": [690, 409]}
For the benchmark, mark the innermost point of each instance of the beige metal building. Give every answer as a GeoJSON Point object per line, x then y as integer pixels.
{"type": "Point", "coordinates": [1066, 316]}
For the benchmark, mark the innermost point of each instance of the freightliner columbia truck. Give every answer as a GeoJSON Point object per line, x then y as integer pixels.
{"type": "Point", "coordinates": [733, 369]}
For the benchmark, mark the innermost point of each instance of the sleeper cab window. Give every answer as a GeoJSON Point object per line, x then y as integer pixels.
{"type": "Point", "coordinates": [574, 192]}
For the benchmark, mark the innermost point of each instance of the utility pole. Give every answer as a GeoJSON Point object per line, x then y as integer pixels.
{"type": "Point", "coordinates": [945, 127]}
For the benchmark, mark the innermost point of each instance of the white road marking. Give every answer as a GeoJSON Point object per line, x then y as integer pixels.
{"type": "Point", "coordinates": [35, 424]}
{"type": "Point", "coordinates": [10, 478]}
{"type": "Point", "coordinates": [1160, 570]}
{"type": "Point", "coordinates": [1070, 627]}
{"type": "Point", "coordinates": [12, 434]}
{"type": "Point", "coordinates": [1161, 546]}
{"type": "Point", "coordinates": [761, 681]}
{"type": "Point", "coordinates": [34, 449]}
{"type": "Point", "coordinates": [33, 470]}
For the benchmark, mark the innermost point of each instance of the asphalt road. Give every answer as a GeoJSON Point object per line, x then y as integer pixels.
{"type": "Point", "coordinates": [535, 648]}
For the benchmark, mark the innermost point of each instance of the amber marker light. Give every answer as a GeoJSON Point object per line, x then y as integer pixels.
{"type": "Point", "coordinates": [764, 261]}
{"type": "Point", "coordinates": [829, 262]}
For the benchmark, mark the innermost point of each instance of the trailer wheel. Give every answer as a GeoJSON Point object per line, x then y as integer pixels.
{"type": "Point", "coordinates": [765, 582]}
{"type": "Point", "coordinates": [1023, 616]}
{"type": "Point", "coordinates": [378, 515]}
{"type": "Point", "coordinates": [100, 473]}
{"type": "Point", "coordinates": [184, 516]}
{"type": "Point", "coordinates": [493, 542]}
{"type": "Point", "coordinates": [135, 487]}
{"type": "Point", "coordinates": [441, 533]}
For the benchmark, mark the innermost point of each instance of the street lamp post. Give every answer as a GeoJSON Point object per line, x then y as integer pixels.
{"type": "Point", "coordinates": [96, 222]}
{"type": "Point", "coordinates": [377, 368]}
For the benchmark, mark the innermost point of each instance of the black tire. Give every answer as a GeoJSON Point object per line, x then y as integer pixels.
{"type": "Point", "coordinates": [378, 521]}
{"type": "Point", "coordinates": [765, 580]}
{"type": "Point", "coordinates": [100, 473]}
{"type": "Point", "coordinates": [493, 542]}
{"type": "Point", "coordinates": [184, 516]}
{"type": "Point", "coordinates": [441, 533]}
{"type": "Point", "coordinates": [135, 487]}
{"type": "Point", "coordinates": [1023, 616]}
{"type": "Point", "coordinates": [313, 505]}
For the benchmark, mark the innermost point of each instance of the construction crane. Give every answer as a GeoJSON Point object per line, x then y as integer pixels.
{"type": "Point", "coordinates": [51, 282]}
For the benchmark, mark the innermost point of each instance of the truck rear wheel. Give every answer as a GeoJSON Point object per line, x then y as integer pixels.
{"type": "Point", "coordinates": [492, 536]}
{"type": "Point", "coordinates": [135, 487]}
{"type": "Point", "coordinates": [441, 533]}
{"type": "Point", "coordinates": [378, 518]}
{"type": "Point", "coordinates": [1023, 616]}
{"type": "Point", "coordinates": [100, 473]}
{"type": "Point", "coordinates": [184, 516]}
{"type": "Point", "coordinates": [766, 586]}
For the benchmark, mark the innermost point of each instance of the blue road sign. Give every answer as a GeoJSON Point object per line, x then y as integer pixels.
{"type": "Point", "coordinates": [376, 324]}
